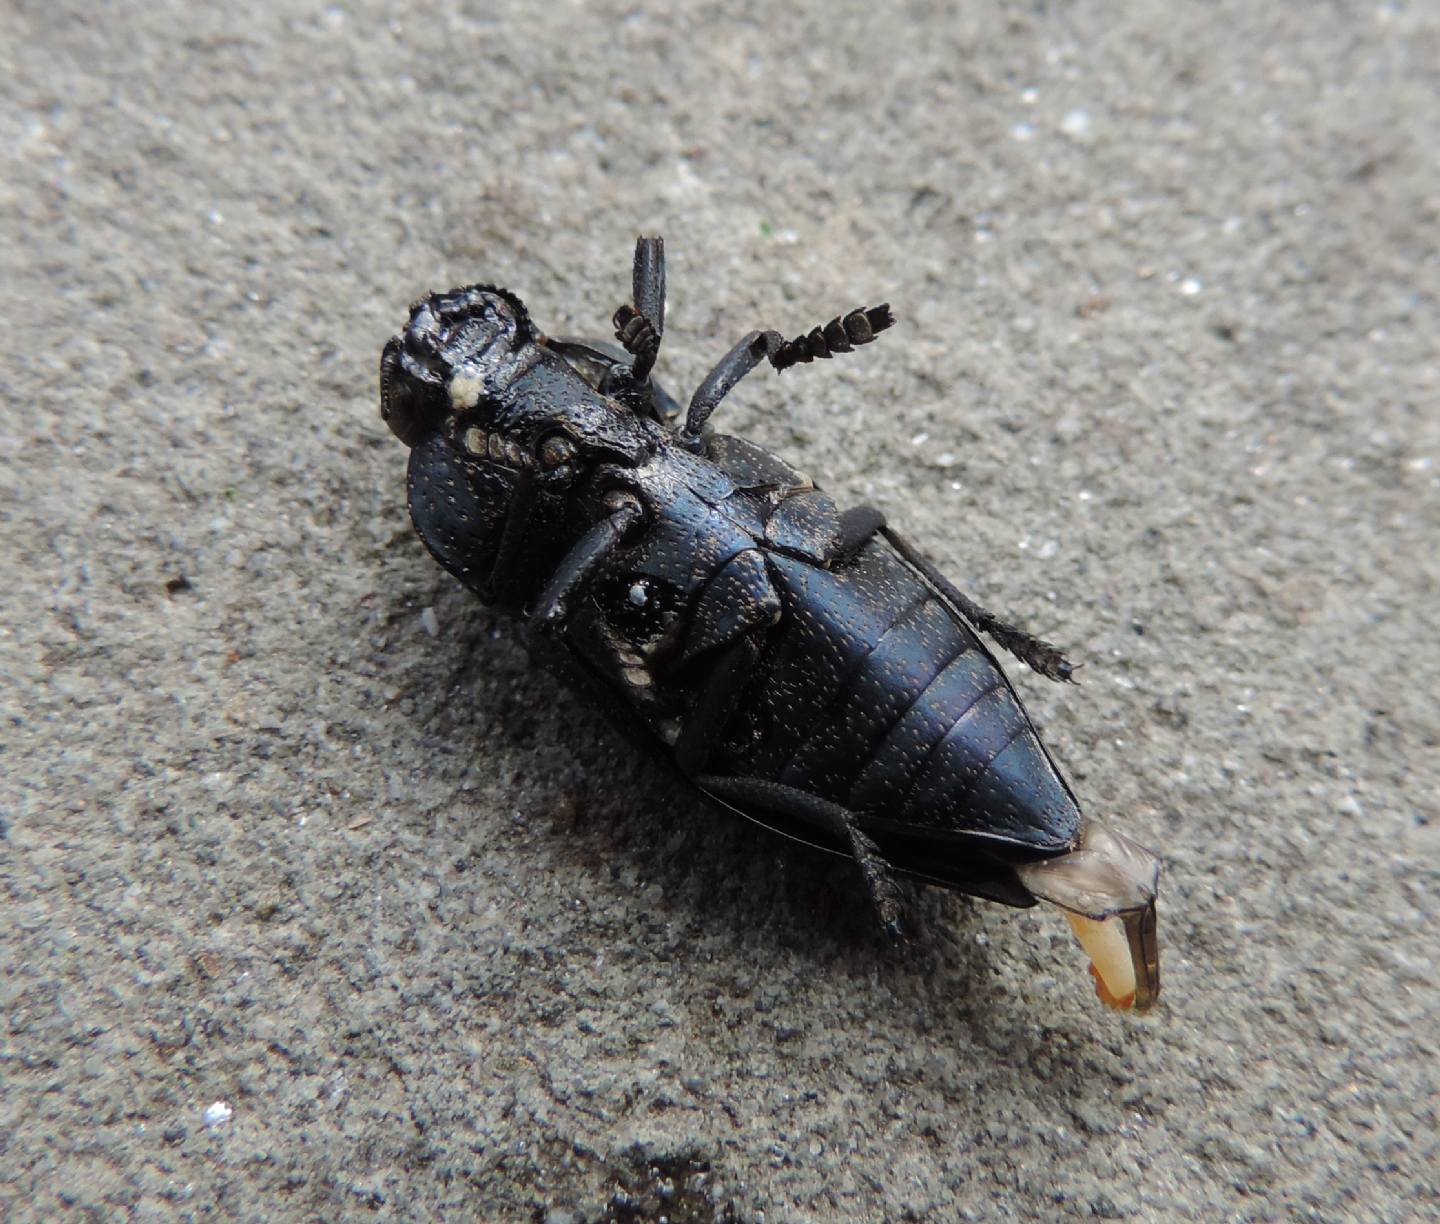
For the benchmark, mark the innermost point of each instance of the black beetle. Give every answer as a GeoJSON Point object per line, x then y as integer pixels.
{"type": "Point", "coordinates": [804, 667]}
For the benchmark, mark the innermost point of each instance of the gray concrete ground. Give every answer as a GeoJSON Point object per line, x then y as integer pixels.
{"type": "Point", "coordinates": [310, 913]}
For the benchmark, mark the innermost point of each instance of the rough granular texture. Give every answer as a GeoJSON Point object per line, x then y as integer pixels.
{"type": "Point", "coordinates": [319, 902]}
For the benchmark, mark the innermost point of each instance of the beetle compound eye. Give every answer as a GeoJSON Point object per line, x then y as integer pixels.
{"type": "Point", "coordinates": [410, 403]}
{"type": "Point", "coordinates": [556, 451]}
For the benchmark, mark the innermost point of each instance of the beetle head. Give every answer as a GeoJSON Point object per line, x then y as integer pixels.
{"type": "Point", "coordinates": [457, 349]}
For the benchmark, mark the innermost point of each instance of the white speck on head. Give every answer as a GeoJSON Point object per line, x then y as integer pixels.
{"type": "Point", "coordinates": [1191, 285]}
{"type": "Point", "coordinates": [639, 595]}
{"type": "Point", "coordinates": [465, 391]}
{"type": "Point", "coordinates": [217, 1114]}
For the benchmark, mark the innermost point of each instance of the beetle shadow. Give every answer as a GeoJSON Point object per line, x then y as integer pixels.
{"type": "Point", "coordinates": [805, 914]}
{"type": "Point", "coordinates": [618, 815]}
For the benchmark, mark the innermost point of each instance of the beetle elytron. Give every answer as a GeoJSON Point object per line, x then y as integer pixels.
{"type": "Point", "coordinates": [804, 667]}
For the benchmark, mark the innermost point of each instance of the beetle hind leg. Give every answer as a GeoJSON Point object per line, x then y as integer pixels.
{"type": "Point", "coordinates": [858, 526]}
{"type": "Point", "coordinates": [840, 823]}
{"type": "Point", "coordinates": [1036, 653]}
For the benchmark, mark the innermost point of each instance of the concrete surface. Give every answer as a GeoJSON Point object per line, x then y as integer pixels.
{"type": "Point", "coordinates": [310, 913]}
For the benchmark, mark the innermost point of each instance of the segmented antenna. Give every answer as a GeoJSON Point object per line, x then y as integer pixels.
{"type": "Point", "coordinates": [840, 335]}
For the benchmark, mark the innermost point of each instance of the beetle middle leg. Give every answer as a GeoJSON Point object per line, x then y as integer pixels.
{"type": "Point", "coordinates": [1036, 653]}
{"type": "Point", "coordinates": [732, 613]}
{"type": "Point", "coordinates": [581, 563]}
{"type": "Point", "coordinates": [841, 823]}
{"type": "Point", "coordinates": [718, 700]}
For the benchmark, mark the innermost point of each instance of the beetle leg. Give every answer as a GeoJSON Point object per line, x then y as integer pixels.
{"type": "Point", "coordinates": [857, 526]}
{"type": "Point", "coordinates": [640, 325]}
{"type": "Point", "coordinates": [839, 822]}
{"type": "Point", "coordinates": [1036, 653]}
{"type": "Point", "coordinates": [728, 371]}
{"type": "Point", "coordinates": [608, 370]}
{"type": "Point", "coordinates": [840, 335]}
{"type": "Point", "coordinates": [578, 566]}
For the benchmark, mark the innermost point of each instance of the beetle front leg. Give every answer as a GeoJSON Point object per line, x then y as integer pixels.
{"type": "Point", "coordinates": [580, 564]}
{"type": "Point", "coordinates": [640, 324]}
{"type": "Point", "coordinates": [841, 823]}
{"type": "Point", "coordinates": [1036, 653]}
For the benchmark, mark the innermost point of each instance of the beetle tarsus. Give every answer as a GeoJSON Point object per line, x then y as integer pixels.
{"type": "Point", "coordinates": [638, 337]}
{"type": "Point", "coordinates": [842, 334]}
